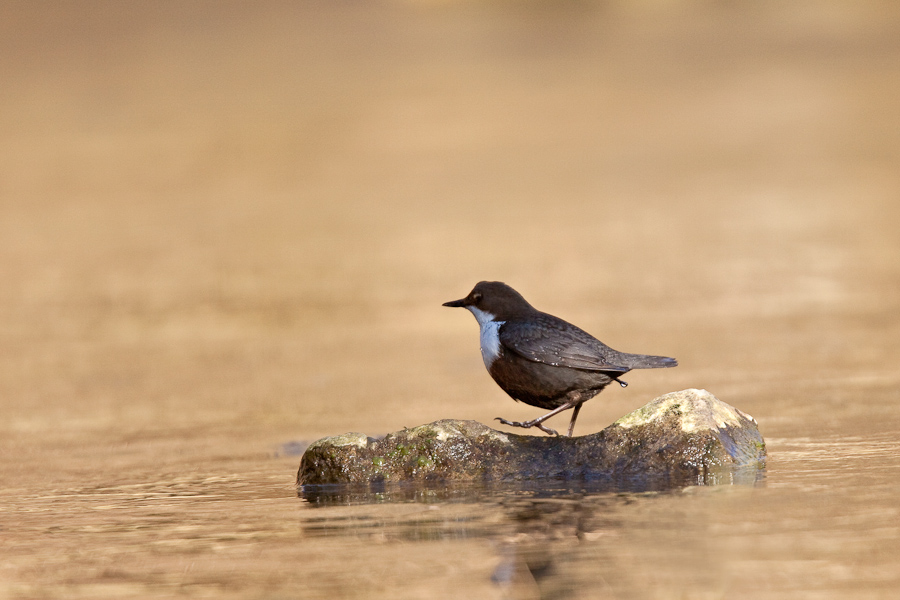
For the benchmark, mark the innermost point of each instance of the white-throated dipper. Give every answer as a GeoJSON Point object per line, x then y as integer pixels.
{"type": "Point", "coordinates": [542, 360]}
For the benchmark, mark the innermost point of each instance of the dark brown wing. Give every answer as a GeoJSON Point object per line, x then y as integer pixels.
{"type": "Point", "coordinates": [547, 339]}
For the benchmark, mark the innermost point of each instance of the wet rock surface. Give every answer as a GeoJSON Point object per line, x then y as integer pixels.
{"type": "Point", "coordinates": [681, 438]}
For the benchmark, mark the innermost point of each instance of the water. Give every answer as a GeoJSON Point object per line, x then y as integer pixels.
{"type": "Point", "coordinates": [226, 234]}
{"type": "Point", "coordinates": [824, 523]}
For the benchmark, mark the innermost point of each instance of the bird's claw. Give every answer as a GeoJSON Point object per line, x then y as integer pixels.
{"type": "Point", "coordinates": [528, 425]}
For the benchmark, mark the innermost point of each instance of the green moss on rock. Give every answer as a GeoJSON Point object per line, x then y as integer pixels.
{"type": "Point", "coordinates": [686, 437]}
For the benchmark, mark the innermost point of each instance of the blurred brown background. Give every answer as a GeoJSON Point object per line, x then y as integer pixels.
{"type": "Point", "coordinates": [229, 225]}
{"type": "Point", "coordinates": [240, 219]}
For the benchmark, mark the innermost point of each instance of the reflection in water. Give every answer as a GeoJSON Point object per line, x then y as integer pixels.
{"type": "Point", "coordinates": [795, 530]}
{"type": "Point", "coordinates": [549, 540]}
{"type": "Point", "coordinates": [435, 492]}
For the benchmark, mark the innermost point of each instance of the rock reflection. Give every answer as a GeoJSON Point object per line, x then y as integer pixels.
{"type": "Point", "coordinates": [438, 491]}
{"type": "Point", "coordinates": [551, 540]}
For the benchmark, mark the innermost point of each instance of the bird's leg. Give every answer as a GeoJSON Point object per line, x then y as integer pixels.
{"type": "Point", "coordinates": [574, 416]}
{"type": "Point", "coordinates": [538, 422]}
{"type": "Point", "coordinates": [577, 398]}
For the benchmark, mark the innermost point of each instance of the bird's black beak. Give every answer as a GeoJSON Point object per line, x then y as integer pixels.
{"type": "Point", "coordinates": [455, 303]}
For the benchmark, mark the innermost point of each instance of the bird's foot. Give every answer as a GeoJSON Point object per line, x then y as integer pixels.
{"type": "Point", "coordinates": [528, 424]}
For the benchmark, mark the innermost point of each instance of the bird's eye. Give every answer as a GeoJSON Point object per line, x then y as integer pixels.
{"type": "Point", "coordinates": [476, 298]}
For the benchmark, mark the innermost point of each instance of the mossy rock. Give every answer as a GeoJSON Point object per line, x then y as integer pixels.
{"type": "Point", "coordinates": [686, 437]}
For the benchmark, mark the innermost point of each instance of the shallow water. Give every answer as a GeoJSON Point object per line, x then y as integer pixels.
{"type": "Point", "coordinates": [225, 234]}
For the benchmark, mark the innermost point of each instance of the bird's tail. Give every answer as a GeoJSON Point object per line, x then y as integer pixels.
{"type": "Point", "coordinates": [645, 361]}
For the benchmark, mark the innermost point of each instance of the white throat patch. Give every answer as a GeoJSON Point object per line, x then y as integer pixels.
{"type": "Point", "coordinates": [490, 335]}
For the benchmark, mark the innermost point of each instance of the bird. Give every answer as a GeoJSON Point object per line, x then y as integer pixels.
{"type": "Point", "coordinates": [542, 360]}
